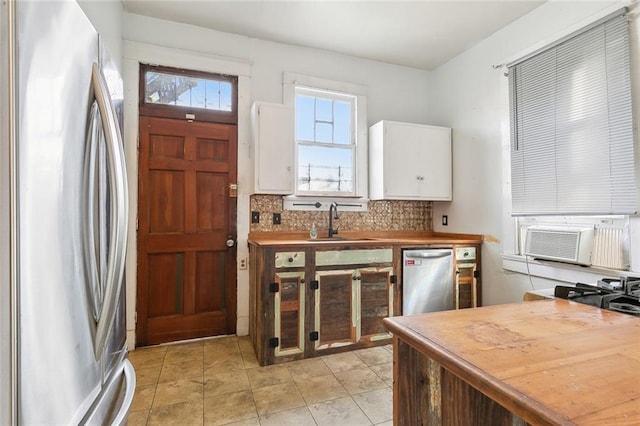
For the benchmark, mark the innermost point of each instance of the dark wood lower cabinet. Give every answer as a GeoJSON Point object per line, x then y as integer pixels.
{"type": "Point", "coordinates": [289, 313]}
{"type": "Point", "coordinates": [308, 302]}
{"type": "Point", "coordinates": [335, 311]}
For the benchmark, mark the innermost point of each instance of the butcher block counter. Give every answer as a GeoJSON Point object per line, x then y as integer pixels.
{"type": "Point", "coordinates": [363, 238]}
{"type": "Point", "coordinates": [547, 362]}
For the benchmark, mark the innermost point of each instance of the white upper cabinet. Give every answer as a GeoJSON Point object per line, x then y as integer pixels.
{"type": "Point", "coordinates": [409, 162]}
{"type": "Point", "coordinates": [273, 148]}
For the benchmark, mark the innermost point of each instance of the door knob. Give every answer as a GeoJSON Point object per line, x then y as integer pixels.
{"type": "Point", "coordinates": [231, 242]}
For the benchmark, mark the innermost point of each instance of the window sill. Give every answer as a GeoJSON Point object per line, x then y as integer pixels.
{"type": "Point", "coordinates": [558, 271]}
{"type": "Point", "coordinates": [350, 204]}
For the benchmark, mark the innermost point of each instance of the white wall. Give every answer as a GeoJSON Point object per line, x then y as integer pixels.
{"type": "Point", "coordinates": [394, 93]}
{"type": "Point", "coordinates": [472, 98]}
{"type": "Point", "coordinates": [106, 17]}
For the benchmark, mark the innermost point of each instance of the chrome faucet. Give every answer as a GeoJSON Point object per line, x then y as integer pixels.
{"type": "Point", "coordinates": [333, 214]}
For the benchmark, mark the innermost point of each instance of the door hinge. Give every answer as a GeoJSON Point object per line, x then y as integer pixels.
{"type": "Point", "coordinates": [274, 287]}
{"type": "Point", "coordinates": [274, 342]}
{"type": "Point", "coordinates": [137, 223]}
{"type": "Point", "coordinates": [476, 274]}
{"type": "Point", "coordinates": [313, 336]}
{"type": "Point", "coordinates": [135, 317]}
{"type": "Point", "coordinates": [314, 285]}
{"type": "Point", "coordinates": [393, 279]}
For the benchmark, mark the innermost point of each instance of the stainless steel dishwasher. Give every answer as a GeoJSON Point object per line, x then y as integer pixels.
{"type": "Point", "coordinates": [427, 280]}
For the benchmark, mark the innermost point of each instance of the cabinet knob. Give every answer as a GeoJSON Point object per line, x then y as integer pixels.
{"type": "Point", "coordinates": [301, 280]}
{"type": "Point", "coordinates": [290, 259]}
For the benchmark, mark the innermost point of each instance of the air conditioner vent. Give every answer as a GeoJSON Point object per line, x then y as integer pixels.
{"type": "Point", "coordinates": [572, 245]}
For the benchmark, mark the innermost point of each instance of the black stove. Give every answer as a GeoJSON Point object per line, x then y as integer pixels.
{"type": "Point", "coordinates": [614, 294]}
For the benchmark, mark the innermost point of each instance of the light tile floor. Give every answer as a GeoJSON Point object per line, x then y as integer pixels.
{"type": "Point", "coordinates": [219, 382]}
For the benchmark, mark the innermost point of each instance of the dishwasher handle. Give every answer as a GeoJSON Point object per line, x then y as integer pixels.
{"type": "Point", "coordinates": [429, 254]}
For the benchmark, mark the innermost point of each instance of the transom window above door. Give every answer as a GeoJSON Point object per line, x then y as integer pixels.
{"type": "Point", "coordinates": [186, 94]}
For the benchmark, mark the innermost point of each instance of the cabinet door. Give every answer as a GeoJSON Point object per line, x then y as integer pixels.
{"type": "Point", "coordinates": [417, 161]}
{"type": "Point", "coordinates": [376, 301]}
{"type": "Point", "coordinates": [466, 286]}
{"type": "Point", "coordinates": [273, 137]}
{"type": "Point", "coordinates": [289, 313]}
{"type": "Point", "coordinates": [335, 316]}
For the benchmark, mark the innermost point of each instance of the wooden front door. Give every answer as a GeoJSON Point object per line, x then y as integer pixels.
{"type": "Point", "coordinates": [187, 214]}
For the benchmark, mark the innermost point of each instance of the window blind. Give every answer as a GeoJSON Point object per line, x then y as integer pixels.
{"type": "Point", "coordinates": [572, 150]}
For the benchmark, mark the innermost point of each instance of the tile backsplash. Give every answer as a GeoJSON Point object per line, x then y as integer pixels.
{"type": "Point", "coordinates": [381, 216]}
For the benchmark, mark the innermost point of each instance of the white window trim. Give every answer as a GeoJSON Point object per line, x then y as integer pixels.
{"type": "Point", "coordinates": [361, 184]}
{"type": "Point", "coordinates": [563, 272]}
{"type": "Point", "coordinates": [351, 146]}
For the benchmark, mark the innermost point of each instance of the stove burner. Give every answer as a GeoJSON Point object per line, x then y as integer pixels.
{"type": "Point", "coordinates": [614, 295]}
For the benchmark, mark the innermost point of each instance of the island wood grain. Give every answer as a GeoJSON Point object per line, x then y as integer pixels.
{"type": "Point", "coordinates": [544, 362]}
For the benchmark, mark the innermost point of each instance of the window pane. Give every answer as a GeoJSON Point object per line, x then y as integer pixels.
{"type": "Point", "coordinates": [183, 90]}
{"type": "Point", "coordinates": [324, 132]}
{"type": "Point", "coordinates": [225, 97]}
{"type": "Point", "coordinates": [170, 89]}
{"type": "Point", "coordinates": [342, 123]}
{"type": "Point", "coordinates": [325, 169]}
{"type": "Point", "coordinates": [199, 93]}
{"type": "Point", "coordinates": [305, 118]}
{"type": "Point", "coordinates": [324, 109]}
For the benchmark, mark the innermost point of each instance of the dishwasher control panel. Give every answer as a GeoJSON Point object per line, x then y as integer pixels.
{"type": "Point", "coordinates": [465, 253]}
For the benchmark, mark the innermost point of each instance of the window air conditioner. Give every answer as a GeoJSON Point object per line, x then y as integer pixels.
{"type": "Point", "coordinates": [564, 244]}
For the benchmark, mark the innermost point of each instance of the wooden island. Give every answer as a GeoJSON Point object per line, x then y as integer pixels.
{"type": "Point", "coordinates": [548, 362]}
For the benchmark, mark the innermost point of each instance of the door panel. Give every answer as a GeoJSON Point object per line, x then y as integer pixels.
{"type": "Point", "coordinates": [211, 196]}
{"type": "Point", "coordinates": [210, 267]}
{"type": "Point", "coordinates": [166, 147]}
{"type": "Point", "coordinates": [166, 272]}
{"type": "Point", "coordinates": [186, 273]}
{"type": "Point", "coordinates": [335, 322]}
{"type": "Point", "coordinates": [166, 202]}
{"type": "Point", "coordinates": [289, 307]}
{"type": "Point", "coordinates": [376, 301]}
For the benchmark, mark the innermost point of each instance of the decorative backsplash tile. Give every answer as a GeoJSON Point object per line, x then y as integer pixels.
{"type": "Point", "coordinates": [381, 216]}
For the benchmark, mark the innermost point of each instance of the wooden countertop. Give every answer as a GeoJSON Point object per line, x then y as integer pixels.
{"type": "Point", "coordinates": [363, 238]}
{"type": "Point", "coordinates": [548, 361]}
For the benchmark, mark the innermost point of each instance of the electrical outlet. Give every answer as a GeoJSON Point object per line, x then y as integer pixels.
{"type": "Point", "coordinates": [242, 263]}
{"type": "Point", "coordinates": [255, 217]}
{"type": "Point", "coordinates": [445, 220]}
{"type": "Point", "coordinates": [276, 218]}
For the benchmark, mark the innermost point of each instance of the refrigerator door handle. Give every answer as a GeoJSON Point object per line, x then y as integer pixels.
{"type": "Point", "coordinates": [130, 388]}
{"type": "Point", "coordinates": [89, 225]}
{"type": "Point", "coordinates": [118, 210]}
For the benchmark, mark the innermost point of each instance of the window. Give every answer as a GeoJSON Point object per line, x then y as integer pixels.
{"type": "Point", "coordinates": [325, 139]}
{"type": "Point", "coordinates": [572, 150]}
{"type": "Point", "coordinates": [331, 143]}
{"type": "Point", "coordinates": [176, 93]}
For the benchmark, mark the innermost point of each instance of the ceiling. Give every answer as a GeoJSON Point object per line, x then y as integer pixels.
{"type": "Point", "coordinates": [420, 33]}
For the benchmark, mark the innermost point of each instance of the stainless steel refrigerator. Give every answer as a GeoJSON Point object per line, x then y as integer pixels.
{"type": "Point", "coordinates": [63, 229]}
